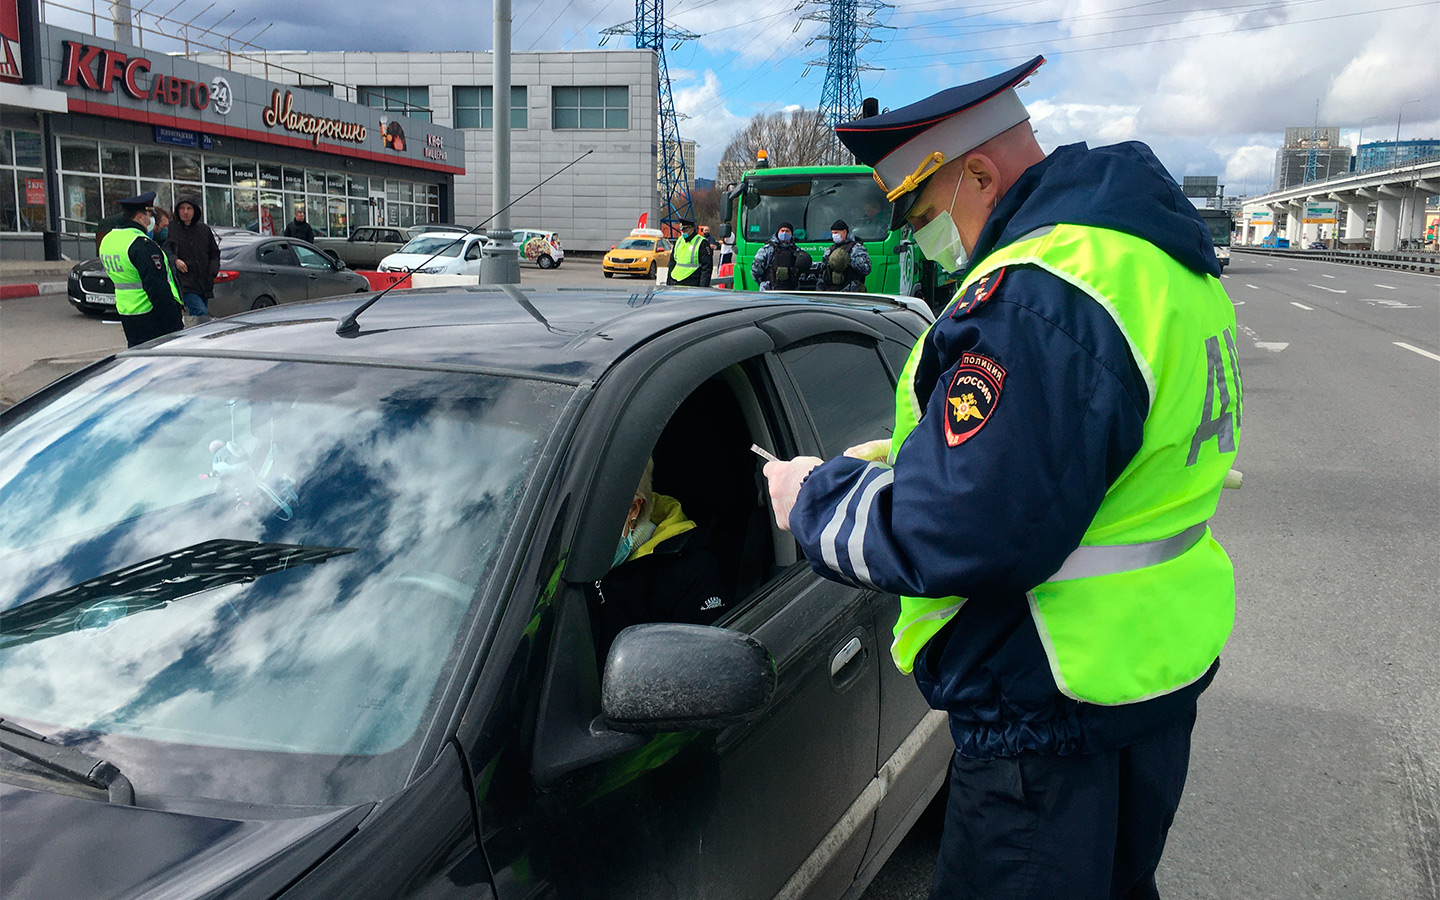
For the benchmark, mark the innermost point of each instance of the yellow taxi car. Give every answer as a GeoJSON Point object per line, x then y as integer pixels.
{"type": "Point", "coordinates": [642, 252]}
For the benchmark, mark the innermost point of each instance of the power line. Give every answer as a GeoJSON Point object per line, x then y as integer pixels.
{"type": "Point", "coordinates": [1186, 37]}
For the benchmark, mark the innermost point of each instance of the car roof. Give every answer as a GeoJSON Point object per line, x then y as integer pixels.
{"type": "Point", "coordinates": [562, 334]}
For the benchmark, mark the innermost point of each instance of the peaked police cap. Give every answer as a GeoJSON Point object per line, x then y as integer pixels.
{"type": "Point", "coordinates": [907, 145]}
{"type": "Point", "coordinates": [142, 201]}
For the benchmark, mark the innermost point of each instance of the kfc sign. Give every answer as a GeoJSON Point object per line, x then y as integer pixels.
{"type": "Point", "coordinates": [98, 69]}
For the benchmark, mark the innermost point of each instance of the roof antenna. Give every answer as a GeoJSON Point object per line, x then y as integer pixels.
{"type": "Point", "coordinates": [349, 327]}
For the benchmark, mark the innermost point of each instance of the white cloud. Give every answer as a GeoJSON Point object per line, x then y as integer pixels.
{"type": "Point", "coordinates": [709, 122]}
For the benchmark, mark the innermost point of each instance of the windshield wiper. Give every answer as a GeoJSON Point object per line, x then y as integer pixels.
{"type": "Point", "coordinates": [67, 761]}
{"type": "Point", "coordinates": [153, 583]}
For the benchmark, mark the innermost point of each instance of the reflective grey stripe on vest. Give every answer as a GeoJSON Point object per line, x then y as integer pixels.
{"type": "Point", "coordinates": [129, 286]}
{"type": "Point", "coordinates": [1112, 559]}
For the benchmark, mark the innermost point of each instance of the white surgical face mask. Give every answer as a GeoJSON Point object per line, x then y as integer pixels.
{"type": "Point", "coordinates": [837, 236]}
{"type": "Point", "coordinates": [940, 240]}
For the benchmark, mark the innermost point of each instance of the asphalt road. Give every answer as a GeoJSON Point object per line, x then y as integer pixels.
{"type": "Point", "coordinates": [1316, 764]}
{"type": "Point", "coordinates": [1315, 769]}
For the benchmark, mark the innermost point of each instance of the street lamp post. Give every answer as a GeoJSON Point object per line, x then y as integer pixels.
{"type": "Point", "coordinates": [1360, 141]}
{"type": "Point", "coordinates": [1395, 161]}
{"type": "Point", "coordinates": [1395, 154]}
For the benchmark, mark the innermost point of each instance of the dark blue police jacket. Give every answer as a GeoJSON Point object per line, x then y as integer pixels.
{"type": "Point", "coordinates": [1013, 499]}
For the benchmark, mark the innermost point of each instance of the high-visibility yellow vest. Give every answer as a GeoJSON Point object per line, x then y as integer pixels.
{"type": "Point", "coordinates": [1145, 604]}
{"type": "Point", "coordinates": [130, 296]}
{"type": "Point", "coordinates": [686, 260]}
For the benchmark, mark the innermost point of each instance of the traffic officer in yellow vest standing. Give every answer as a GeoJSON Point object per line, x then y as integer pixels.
{"type": "Point", "coordinates": [1062, 433]}
{"type": "Point", "coordinates": [146, 295]}
{"type": "Point", "coordinates": [693, 259]}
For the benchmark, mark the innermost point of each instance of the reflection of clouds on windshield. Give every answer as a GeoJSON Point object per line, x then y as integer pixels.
{"type": "Point", "coordinates": [338, 657]}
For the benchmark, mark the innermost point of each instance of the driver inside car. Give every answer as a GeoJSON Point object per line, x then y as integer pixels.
{"type": "Point", "coordinates": [665, 569]}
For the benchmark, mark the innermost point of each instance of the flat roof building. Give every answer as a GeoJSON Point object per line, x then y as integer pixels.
{"type": "Point", "coordinates": [562, 103]}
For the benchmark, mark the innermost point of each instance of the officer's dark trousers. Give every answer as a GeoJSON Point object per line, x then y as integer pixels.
{"type": "Point", "coordinates": [152, 324]}
{"type": "Point", "coordinates": [1062, 827]}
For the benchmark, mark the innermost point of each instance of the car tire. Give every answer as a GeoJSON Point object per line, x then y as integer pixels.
{"type": "Point", "coordinates": [263, 301]}
{"type": "Point", "coordinates": [608, 274]}
{"type": "Point", "coordinates": [545, 261]}
{"type": "Point", "coordinates": [650, 273]}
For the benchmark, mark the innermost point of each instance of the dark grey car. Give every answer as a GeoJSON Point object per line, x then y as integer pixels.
{"type": "Point", "coordinates": [256, 272]}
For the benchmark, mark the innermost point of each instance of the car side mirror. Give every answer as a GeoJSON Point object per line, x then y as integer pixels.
{"type": "Point", "coordinates": [667, 676]}
{"type": "Point", "coordinates": [723, 233]}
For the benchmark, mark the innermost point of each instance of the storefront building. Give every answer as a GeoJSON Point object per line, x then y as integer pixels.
{"type": "Point", "coordinates": [133, 120]}
{"type": "Point", "coordinates": [562, 104]}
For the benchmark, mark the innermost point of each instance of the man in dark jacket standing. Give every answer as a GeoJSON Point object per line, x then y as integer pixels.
{"type": "Point", "coordinates": [779, 265]}
{"type": "Point", "coordinates": [197, 256]}
{"type": "Point", "coordinates": [1062, 433]}
{"type": "Point", "coordinates": [299, 228]}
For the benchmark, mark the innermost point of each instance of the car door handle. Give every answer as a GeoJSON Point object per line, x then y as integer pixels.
{"type": "Point", "coordinates": [851, 651]}
{"type": "Point", "coordinates": [312, 277]}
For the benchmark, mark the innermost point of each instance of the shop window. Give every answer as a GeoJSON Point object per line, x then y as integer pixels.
{"type": "Point", "coordinates": [407, 192]}
{"type": "Point", "coordinates": [246, 211]}
{"type": "Point", "coordinates": [392, 191]}
{"type": "Point", "coordinates": [164, 194]}
{"type": "Point", "coordinates": [591, 107]}
{"type": "Point", "coordinates": [9, 198]}
{"type": "Point", "coordinates": [155, 164]}
{"type": "Point", "coordinates": [474, 107]}
{"type": "Point", "coordinates": [314, 182]}
{"type": "Point", "coordinates": [79, 156]}
{"type": "Point", "coordinates": [315, 215]}
{"type": "Point", "coordinates": [217, 170]}
{"type": "Point", "coordinates": [28, 150]}
{"type": "Point", "coordinates": [219, 208]}
{"type": "Point", "coordinates": [7, 152]}
{"type": "Point", "coordinates": [187, 166]}
{"type": "Point", "coordinates": [244, 174]}
{"type": "Point", "coordinates": [293, 180]}
{"type": "Point", "coordinates": [339, 221]}
{"type": "Point", "coordinates": [406, 101]}
{"type": "Point", "coordinates": [359, 213]}
{"type": "Point", "coordinates": [326, 89]}
{"type": "Point", "coordinates": [336, 183]}
{"type": "Point", "coordinates": [359, 187]}
{"type": "Point", "coordinates": [117, 160]}
{"type": "Point", "coordinates": [269, 175]}
{"type": "Point", "coordinates": [80, 202]}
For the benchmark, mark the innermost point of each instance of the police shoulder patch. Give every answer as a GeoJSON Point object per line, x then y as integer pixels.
{"type": "Point", "coordinates": [972, 397]}
{"type": "Point", "coordinates": [158, 260]}
{"type": "Point", "coordinates": [978, 293]}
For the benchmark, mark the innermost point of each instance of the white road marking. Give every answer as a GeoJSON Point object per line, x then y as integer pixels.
{"type": "Point", "coordinates": [1418, 350]}
{"type": "Point", "coordinates": [1385, 286]}
{"type": "Point", "coordinates": [1321, 287]}
{"type": "Point", "coordinates": [1271, 265]}
{"type": "Point", "coordinates": [1388, 304]}
{"type": "Point", "coordinates": [1302, 306]}
{"type": "Point", "coordinates": [1238, 302]}
{"type": "Point", "coordinates": [1253, 287]}
{"type": "Point", "coordinates": [1293, 269]}
{"type": "Point", "coordinates": [1323, 275]}
{"type": "Point", "coordinates": [1272, 346]}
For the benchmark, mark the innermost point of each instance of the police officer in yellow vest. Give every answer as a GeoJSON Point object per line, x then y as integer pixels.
{"type": "Point", "coordinates": [146, 295]}
{"type": "Point", "coordinates": [693, 258]}
{"type": "Point", "coordinates": [1061, 436]}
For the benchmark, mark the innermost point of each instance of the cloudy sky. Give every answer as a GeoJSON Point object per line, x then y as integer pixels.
{"type": "Point", "coordinates": [1210, 84]}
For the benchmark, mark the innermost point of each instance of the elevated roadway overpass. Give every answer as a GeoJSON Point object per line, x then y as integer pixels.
{"type": "Point", "coordinates": [1398, 194]}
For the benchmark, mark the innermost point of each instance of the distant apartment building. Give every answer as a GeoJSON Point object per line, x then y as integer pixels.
{"type": "Point", "coordinates": [1384, 154]}
{"type": "Point", "coordinates": [687, 153]}
{"type": "Point", "coordinates": [562, 104]}
{"type": "Point", "coordinates": [1292, 160]}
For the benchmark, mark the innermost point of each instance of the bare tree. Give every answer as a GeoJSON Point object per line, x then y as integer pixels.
{"type": "Point", "coordinates": [791, 138]}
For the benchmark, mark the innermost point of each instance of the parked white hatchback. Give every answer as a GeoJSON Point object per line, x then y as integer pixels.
{"type": "Point", "coordinates": [459, 254]}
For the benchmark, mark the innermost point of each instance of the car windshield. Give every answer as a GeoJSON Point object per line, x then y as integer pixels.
{"type": "Point", "coordinates": [812, 203]}
{"type": "Point", "coordinates": [636, 244]}
{"type": "Point", "coordinates": [431, 244]}
{"type": "Point", "coordinates": [1220, 225]}
{"type": "Point", "coordinates": [218, 564]}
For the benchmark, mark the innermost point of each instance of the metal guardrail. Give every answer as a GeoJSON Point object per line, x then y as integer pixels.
{"type": "Point", "coordinates": [1422, 262]}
